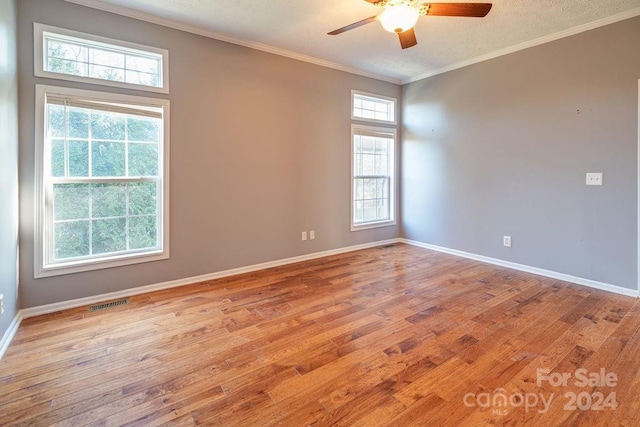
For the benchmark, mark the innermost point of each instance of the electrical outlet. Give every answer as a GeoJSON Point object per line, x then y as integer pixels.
{"type": "Point", "coordinates": [506, 241]}
{"type": "Point", "coordinates": [1, 304]}
{"type": "Point", "coordinates": [594, 178]}
{"type": "Point", "coordinates": [304, 236]}
{"type": "Point", "coordinates": [312, 235]}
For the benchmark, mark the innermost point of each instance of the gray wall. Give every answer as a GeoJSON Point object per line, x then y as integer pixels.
{"type": "Point", "coordinates": [8, 163]}
{"type": "Point", "coordinates": [502, 148]}
{"type": "Point", "coordinates": [260, 151]}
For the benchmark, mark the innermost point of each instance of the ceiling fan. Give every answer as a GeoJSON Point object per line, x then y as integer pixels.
{"type": "Point", "coordinates": [400, 16]}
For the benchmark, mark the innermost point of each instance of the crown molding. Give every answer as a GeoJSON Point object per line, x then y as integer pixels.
{"type": "Point", "coordinates": [536, 42]}
{"type": "Point", "coordinates": [170, 23]}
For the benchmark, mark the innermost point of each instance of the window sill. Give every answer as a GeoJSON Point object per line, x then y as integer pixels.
{"type": "Point", "coordinates": [90, 265]}
{"type": "Point", "coordinates": [101, 82]}
{"type": "Point", "coordinates": [376, 121]}
{"type": "Point", "coordinates": [369, 225]}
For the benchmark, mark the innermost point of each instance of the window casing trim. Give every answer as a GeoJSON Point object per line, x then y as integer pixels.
{"type": "Point", "coordinates": [133, 257]}
{"type": "Point", "coordinates": [39, 59]}
{"type": "Point", "coordinates": [391, 100]}
{"type": "Point", "coordinates": [357, 129]}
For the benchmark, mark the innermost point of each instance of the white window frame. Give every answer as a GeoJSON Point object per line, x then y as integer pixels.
{"type": "Point", "coordinates": [355, 130]}
{"type": "Point", "coordinates": [41, 268]}
{"type": "Point", "coordinates": [374, 97]}
{"type": "Point", "coordinates": [39, 31]}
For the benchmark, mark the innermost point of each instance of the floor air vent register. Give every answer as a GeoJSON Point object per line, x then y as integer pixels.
{"type": "Point", "coordinates": [104, 306]}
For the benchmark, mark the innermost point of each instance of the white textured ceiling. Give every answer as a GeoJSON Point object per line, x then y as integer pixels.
{"type": "Point", "coordinates": [299, 28]}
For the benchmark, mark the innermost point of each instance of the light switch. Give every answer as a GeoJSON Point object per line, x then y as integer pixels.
{"type": "Point", "coordinates": [594, 178]}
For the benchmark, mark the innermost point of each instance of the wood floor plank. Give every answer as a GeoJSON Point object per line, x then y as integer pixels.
{"type": "Point", "coordinates": [394, 335]}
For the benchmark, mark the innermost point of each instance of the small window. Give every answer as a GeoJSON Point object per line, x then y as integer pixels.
{"type": "Point", "coordinates": [373, 108]}
{"type": "Point", "coordinates": [373, 177]}
{"type": "Point", "coordinates": [70, 55]}
{"type": "Point", "coordinates": [102, 162]}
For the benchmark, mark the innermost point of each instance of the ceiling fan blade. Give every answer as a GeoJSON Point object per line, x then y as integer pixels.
{"type": "Point", "coordinates": [408, 38]}
{"type": "Point", "coordinates": [475, 10]}
{"type": "Point", "coordinates": [354, 25]}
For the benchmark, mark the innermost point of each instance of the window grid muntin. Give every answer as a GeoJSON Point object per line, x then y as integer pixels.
{"type": "Point", "coordinates": [40, 59]}
{"type": "Point", "coordinates": [373, 108]}
{"type": "Point", "coordinates": [91, 220]}
{"type": "Point", "coordinates": [90, 140]}
{"type": "Point", "coordinates": [91, 46]}
{"type": "Point", "coordinates": [91, 181]}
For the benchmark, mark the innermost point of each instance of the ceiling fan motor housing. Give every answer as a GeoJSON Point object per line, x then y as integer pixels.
{"type": "Point", "coordinates": [400, 16]}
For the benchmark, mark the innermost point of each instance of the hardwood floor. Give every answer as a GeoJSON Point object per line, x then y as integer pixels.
{"type": "Point", "coordinates": [396, 335]}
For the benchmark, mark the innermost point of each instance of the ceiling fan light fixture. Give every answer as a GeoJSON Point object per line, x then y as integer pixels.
{"type": "Point", "coordinates": [399, 18]}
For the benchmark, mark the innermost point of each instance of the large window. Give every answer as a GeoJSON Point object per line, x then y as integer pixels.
{"type": "Point", "coordinates": [102, 194]}
{"type": "Point", "coordinates": [373, 161]}
{"type": "Point", "coordinates": [70, 55]}
{"type": "Point", "coordinates": [373, 176]}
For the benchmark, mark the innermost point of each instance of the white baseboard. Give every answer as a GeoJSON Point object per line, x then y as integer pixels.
{"type": "Point", "coordinates": [10, 333]}
{"type": "Point", "coordinates": [528, 269]}
{"type": "Point", "coordinates": [65, 305]}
